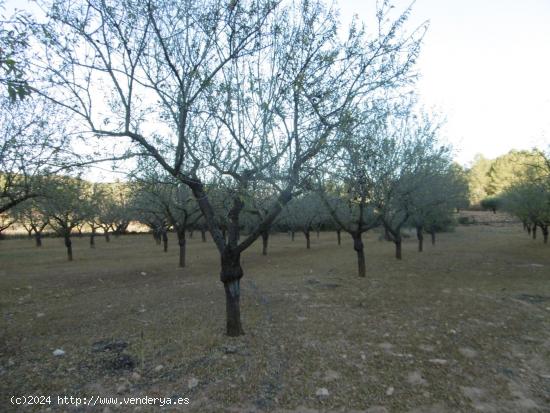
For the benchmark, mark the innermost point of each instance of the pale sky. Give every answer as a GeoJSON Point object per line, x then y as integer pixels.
{"type": "Point", "coordinates": [485, 67]}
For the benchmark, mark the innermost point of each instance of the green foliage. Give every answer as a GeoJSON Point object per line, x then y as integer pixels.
{"type": "Point", "coordinates": [492, 203]}
{"type": "Point", "coordinates": [488, 178]}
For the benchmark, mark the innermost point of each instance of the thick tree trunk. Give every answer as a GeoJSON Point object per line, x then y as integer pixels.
{"type": "Point", "coordinates": [265, 238]}
{"type": "Point", "coordinates": [165, 240]}
{"type": "Point", "coordinates": [92, 238]}
{"type": "Point", "coordinates": [308, 243]}
{"type": "Point", "coordinates": [38, 239]}
{"type": "Point", "coordinates": [339, 236]}
{"type": "Point", "coordinates": [69, 245]}
{"type": "Point", "coordinates": [528, 227]}
{"type": "Point", "coordinates": [292, 234]}
{"type": "Point", "coordinates": [534, 231]}
{"type": "Point", "coordinates": [398, 247]}
{"type": "Point", "coordinates": [182, 242]}
{"type": "Point", "coordinates": [230, 275]}
{"type": "Point", "coordinates": [203, 235]}
{"type": "Point", "coordinates": [432, 234]}
{"type": "Point", "coordinates": [420, 237]}
{"type": "Point", "coordinates": [107, 236]}
{"type": "Point", "coordinates": [359, 249]}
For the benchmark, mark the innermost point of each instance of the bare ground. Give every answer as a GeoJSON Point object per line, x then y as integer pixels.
{"type": "Point", "coordinates": [462, 327]}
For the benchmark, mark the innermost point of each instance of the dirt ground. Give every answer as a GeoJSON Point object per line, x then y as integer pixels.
{"type": "Point", "coordinates": [462, 327]}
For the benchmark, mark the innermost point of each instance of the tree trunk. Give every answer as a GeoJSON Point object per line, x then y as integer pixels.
{"type": "Point", "coordinates": [339, 236]}
{"type": "Point", "coordinates": [181, 242]}
{"type": "Point", "coordinates": [231, 274]}
{"type": "Point", "coordinates": [398, 247]}
{"type": "Point", "coordinates": [292, 233]}
{"type": "Point", "coordinates": [38, 238]}
{"type": "Point", "coordinates": [432, 234]}
{"type": "Point", "coordinates": [359, 249]}
{"type": "Point", "coordinates": [265, 238]}
{"type": "Point", "coordinates": [534, 231]}
{"type": "Point", "coordinates": [203, 235]}
{"type": "Point", "coordinates": [92, 238]}
{"type": "Point", "coordinates": [191, 234]}
{"type": "Point", "coordinates": [107, 236]}
{"type": "Point", "coordinates": [308, 244]}
{"type": "Point", "coordinates": [544, 229]}
{"type": "Point", "coordinates": [318, 232]}
{"type": "Point", "coordinates": [387, 236]}
{"type": "Point", "coordinates": [156, 236]}
{"type": "Point", "coordinates": [69, 245]}
{"type": "Point", "coordinates": [528, 227]}
{"type": "Point", "coordinates": [420, 236]}
{"type": "Point", "coordinates": [165, 240]}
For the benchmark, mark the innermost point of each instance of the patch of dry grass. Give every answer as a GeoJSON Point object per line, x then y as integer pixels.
{"type": "Point", "coordinates": [463, 326]}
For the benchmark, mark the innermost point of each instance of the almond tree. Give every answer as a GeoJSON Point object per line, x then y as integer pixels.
{"type": "Point", "coordinates": [248, 91]}
{"type": "Point", "coordinates": [407, 157]}
{"type": "Point", "coordinates": [34, 217]}
{"type": "Point", "coordinates": [162, 195]}
{"type": "Point", "coordinates": [32, 145]}
{"type": "Point", "coordinates": [64, 196]}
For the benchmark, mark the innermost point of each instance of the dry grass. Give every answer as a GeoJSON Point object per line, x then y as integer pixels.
{"type": "Point", "coordinates": [464, 326]}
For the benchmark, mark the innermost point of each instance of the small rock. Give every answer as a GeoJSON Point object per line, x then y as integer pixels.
{"type": "Point", "coordinates": [135, 376]}
{"type": "Point", "coordinates": [58, 352]}
{"type": "Point", "coordinates": [301, 318]}
{"type": "Point", "coordinates": [158, 368]}
{"type": "Point", "coordinates": [143, 273]}
{"type": "Point", "coordinates": [363, 356]}
{"type": "Point", "coordinates": [452, 331]}
{"type": "Point", "coordinates": [415, 378]}
{"type": "Point", "coordinates": [467, 352]}
{"type": "Point", "coordinates": [39, 315]}
{"type": "Point", "coordinates": [426, 347]}
{"type": "Point", "coordinates": [322, 392]}
{"type": "Point", "coordinates": [389, 391]}
{"type": "Point", "coordinates": [438, 361]}
{"type": "Point", "coordinates": [192, 383]}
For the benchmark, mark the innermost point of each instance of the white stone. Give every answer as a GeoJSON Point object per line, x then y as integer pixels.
{"type": "Point", "coordinates": [322, 392]}
{"type": "Point", "coordinates": [143, 273]}
{"type": "Point", "coordinates": [415, 378]}
{"type": "Point", "coordinates": [192, 383]}
{"type": "Point", "coordinates": [438, 361]}
{"type": "Point", "coordinates": [58, 352]}
{"type": "Point", "coordinates": [389, 391]}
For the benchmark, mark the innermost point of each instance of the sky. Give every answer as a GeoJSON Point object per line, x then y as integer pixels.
{"type": "Point", "coordinates": [485, 66]}
{"type": "Point", "coordinates": [485, 69]}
